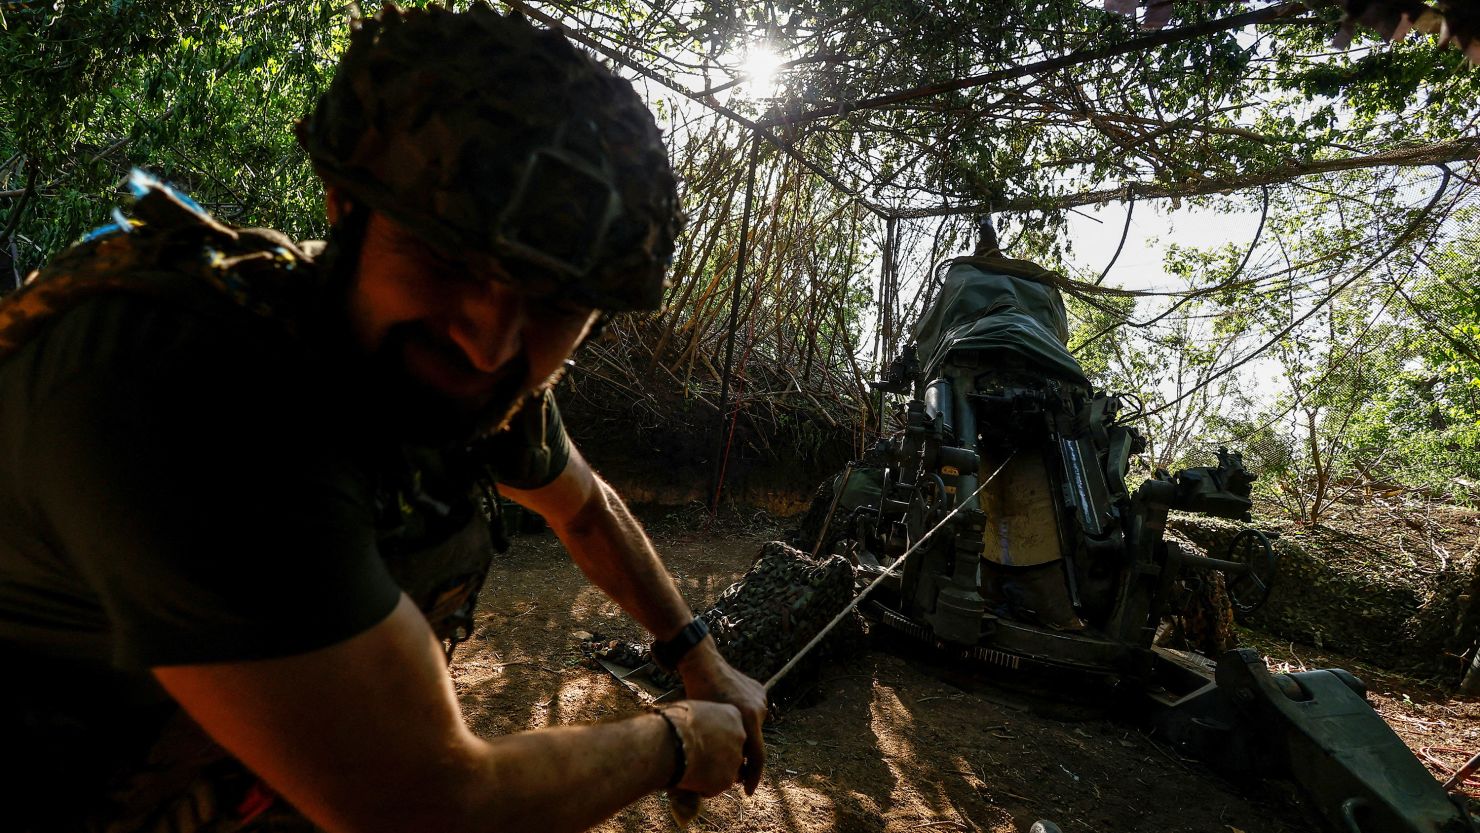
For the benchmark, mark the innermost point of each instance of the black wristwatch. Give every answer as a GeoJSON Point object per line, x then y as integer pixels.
{"type": "Point", "coordinates": [668, 652]}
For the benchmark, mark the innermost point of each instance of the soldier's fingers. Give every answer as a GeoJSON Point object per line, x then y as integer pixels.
{"type": "Point", "coordinates": [755, 757]}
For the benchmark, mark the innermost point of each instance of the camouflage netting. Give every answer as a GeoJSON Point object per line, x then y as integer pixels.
{"type": "Point", "coordinates": [761, 621]}
{"type": "Point", "coordinates": [441, 120]}
{"type": "Point", "coordinates": [1343, 593]}
{"type": "Point", "coordinates": [1200, 613]}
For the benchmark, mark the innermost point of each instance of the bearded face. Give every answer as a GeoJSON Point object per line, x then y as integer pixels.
{"type": "Point", "coordinates": [453, 350]}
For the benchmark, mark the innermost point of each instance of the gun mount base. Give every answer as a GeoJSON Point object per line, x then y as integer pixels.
{"type": "Point", "coordinates": [1316, 728]}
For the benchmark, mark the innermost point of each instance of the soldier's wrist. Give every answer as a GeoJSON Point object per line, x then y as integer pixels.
{"type": "Point", "coordinates": [675, 754]}
{"type": "Point", "coordinates": [669, 654]}
{"type": "Point", "coordinates": [702, 658]}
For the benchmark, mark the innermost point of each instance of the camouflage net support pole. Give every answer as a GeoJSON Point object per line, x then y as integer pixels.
{"type": "Point", "coordinates": [726, 418]}
{"type": "Point", "coordinates": [887, 291]}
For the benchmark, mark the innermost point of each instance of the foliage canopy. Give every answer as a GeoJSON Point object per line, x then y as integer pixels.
{"type": "Point", "coordinates": [1353, 315]}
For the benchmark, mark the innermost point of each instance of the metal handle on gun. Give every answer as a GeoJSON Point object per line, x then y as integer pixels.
{"type": "Point", "coordinates": [684, 805]}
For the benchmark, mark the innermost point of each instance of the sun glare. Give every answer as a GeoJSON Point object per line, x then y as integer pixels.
{"type": "Point", "coordinates": [760, 66]}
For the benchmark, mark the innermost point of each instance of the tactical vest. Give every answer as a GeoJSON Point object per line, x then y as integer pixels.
{"type": "Point", "coordinates": [426, 522]}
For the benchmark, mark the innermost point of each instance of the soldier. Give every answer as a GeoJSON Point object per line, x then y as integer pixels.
{"type": "Point", "coordinates": [237, 475]}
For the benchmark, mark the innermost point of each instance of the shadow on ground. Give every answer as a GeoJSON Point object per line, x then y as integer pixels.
{"type": "Point", "coordinates": [884, 745]}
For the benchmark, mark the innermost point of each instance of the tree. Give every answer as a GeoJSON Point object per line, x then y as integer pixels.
{"type": "Point", "coordinates": [205, 94]}
{"type": "Point", "coordinates": [1031, 108]}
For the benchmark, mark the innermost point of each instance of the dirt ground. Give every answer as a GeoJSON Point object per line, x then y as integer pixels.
{"type": "Point", "coordinates": [886, 742]}
{"type": "Point", "coordinates": [1442, 731]}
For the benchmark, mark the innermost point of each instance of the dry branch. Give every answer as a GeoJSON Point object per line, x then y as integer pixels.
{"type": "Point", "coordinates": [1412, 156]}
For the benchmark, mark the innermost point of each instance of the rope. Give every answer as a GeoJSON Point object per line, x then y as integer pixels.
{"type": "Point", "coordinates": [852, 605]}
{"type": "Point", "coordinates": [1463, 779]}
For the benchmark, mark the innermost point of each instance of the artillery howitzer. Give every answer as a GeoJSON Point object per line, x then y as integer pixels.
{"type": "Point", "coordinates": [1011, 468]}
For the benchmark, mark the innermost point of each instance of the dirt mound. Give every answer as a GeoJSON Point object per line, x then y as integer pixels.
{"type": "Point", "coordinates": [662, 447]}
{"type": "Point", "coordinates": [1393, 586]}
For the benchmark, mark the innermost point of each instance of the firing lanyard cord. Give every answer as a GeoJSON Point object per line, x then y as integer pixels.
{"type": "Point", "coordinates": [858, 599]}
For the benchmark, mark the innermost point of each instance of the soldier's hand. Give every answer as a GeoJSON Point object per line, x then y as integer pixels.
{"type": "Point", "coordinates": [706, 676]}
{"type": "Point", "coordinates": [713, 744]}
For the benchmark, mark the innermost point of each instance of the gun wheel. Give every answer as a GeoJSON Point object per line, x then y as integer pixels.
{"type": "Point", "coordinates": [1249, 588]}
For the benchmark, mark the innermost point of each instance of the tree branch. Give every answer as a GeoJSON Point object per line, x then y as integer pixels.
{"type": "Point", "coordinates": [1073, 59]}
{"type": "Point", "coordinates": [1402, 238]}
{"type": "Point", "coordinates": [1411, 156]}
{"type": "Point", "coordinates": [760, 130]}
{"type": "Point", "coordinates": [23, 197]}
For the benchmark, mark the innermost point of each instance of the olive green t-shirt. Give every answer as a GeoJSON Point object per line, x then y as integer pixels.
{"type": "Point", "coordinates": [183, 484]}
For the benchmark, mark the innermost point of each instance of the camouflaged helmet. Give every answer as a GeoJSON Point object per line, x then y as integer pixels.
{"type": "Point", "coordinates": [491, 138]}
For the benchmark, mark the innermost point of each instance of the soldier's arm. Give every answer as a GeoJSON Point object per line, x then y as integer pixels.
{"type": "Point", "coordinates": [614, 552]}
{"type": "Point", "coordinates": [366, 736]}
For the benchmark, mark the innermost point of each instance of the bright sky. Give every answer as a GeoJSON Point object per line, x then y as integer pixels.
{"type": "Point", "coordinates": [1153, 226]}
{"type": "Point", "coordinates": [1139, 266]}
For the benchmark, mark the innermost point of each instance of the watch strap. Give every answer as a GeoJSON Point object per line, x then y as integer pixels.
{"type": "Point", "coordinates": [668, 652]}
